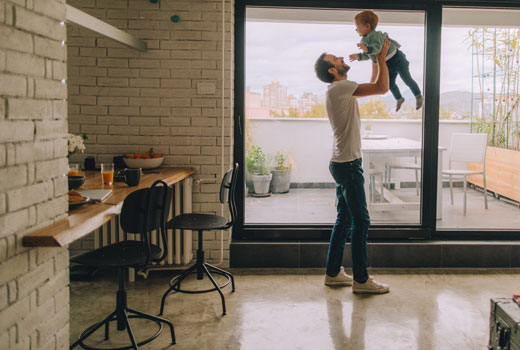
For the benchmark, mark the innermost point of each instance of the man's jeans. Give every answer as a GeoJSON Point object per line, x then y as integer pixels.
{"type": "Point", "coordinates": [352, 219]}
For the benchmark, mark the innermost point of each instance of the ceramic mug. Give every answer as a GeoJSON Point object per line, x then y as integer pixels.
{"type": "Point", "coordinates": [132, 177]}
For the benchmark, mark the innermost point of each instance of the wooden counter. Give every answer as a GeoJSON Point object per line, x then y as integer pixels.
{"type": "Point", "coordinates": [85, 219]}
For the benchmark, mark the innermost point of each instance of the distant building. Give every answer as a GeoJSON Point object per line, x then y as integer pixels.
{"type": "Point", "coordinates": [275, 95]}
{"type": "Point", "coordinates": [293, 101]}
{"type": "Point", "coordinates": [253, 99]}
{"type": "Point", "coordinates": [307, 100]}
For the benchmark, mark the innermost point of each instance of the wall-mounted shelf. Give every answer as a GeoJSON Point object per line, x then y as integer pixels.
{"type": "Point", "coordinates": [87, 21]}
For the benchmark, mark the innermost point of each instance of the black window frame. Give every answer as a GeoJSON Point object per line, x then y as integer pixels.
{"type": "Point", "coordinates": [427, 230]}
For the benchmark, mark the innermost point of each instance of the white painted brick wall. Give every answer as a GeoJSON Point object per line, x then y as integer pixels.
{"type": "Point", "coordinates": [34, 290]}
{"type": "Point", "coordinates": [128, 101]}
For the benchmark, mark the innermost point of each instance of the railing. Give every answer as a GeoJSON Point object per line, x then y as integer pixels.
{"type": "Point", "coordinates": [309, 140]}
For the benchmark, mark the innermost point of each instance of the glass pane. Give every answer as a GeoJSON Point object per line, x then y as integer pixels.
{"type": "Point", "coordinates": [289, 135]}
{"type": "Point", "coordinates": [479, 119]}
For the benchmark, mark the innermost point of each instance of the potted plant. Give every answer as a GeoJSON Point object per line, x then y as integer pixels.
{"type": "Point", "coordinates": [250, 167]}
{"type": "Point", "coordinates": [256, 163]}
{"type": "Point", "coordinates": [281, 173]}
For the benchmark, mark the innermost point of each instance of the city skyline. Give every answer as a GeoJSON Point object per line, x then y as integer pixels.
{"type": "Point", "coordinates": [269, 59]}
{"type": "Point", "coordinates": [456, 104]}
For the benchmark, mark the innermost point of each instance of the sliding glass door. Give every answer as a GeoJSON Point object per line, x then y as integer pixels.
{"type": "Point", "coordinates": [288, 138]}
{"type": "Point", "coordinates": [423, 166]}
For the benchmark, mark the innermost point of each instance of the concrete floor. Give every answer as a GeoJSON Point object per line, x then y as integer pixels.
{"type": "Point", "coordinates": [316, 206]}
{"type": "Point", "coordinates": [425, 309]}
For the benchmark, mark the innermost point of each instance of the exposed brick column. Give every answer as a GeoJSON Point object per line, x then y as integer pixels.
{"type": "Point", "coordinates": [34, 291]}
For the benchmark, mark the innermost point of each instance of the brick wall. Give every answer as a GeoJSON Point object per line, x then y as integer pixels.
{"type": "Point", "coordinates": [128, 101]}
{"type": "Point", "coordinates": [34, 292]}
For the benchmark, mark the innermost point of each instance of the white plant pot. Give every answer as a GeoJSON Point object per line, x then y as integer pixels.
{"type": "Point", "coordinates": [261, 183]}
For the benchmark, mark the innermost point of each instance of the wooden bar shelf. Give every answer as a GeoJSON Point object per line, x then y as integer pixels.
{"type": "Point", "coordinates": [83, 220]}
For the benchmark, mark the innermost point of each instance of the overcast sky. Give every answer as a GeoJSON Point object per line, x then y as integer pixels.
{"type": "Point", "coordinates": [286, 52]}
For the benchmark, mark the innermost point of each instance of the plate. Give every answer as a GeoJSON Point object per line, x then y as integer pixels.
{"type": "Point", "coordinates": [78, 204]}
{"type": "Point", "coordinates": [375, 137]}
{"type": "Point", "coordinates": [143, 163]}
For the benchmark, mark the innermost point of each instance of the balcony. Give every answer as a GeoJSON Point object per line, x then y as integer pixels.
{"type": "Point", "coordinates": [311, 199]}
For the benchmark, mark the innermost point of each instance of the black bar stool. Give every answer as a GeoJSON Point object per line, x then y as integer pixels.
{"type": "Point", "coordinates": [143, 211]}
{"type": "Point", "coordinates": [206, 222]}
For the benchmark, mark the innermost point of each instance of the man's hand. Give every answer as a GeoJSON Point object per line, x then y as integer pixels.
{"type": "Point", "coordinates": [363, 47]}
{"type": "Point", "coordinates": [384, 49]}
{"type": "Point", "coordinates": [354, 57]}
{"type": "Point", "coordinates": [381, 84]}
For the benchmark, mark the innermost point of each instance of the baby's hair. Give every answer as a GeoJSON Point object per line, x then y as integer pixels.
{"type": "Point", "coordinates": [368, 17]}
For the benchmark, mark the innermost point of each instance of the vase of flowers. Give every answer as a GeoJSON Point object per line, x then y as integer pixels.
{"type": "Point", "coordinates": [75, 144]}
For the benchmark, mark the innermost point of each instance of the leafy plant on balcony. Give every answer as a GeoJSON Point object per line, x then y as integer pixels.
{"type": "Point", "coordinates": [256, 161]}
{"type": "Point", "coordinates": [497, 65]}
{"type": "Point", "coordinates": [281, 160]}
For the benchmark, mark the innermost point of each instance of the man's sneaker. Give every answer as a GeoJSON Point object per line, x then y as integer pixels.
{"type": "Point", "coordinates": [419, 100]}
{"type": "Point", "coordinates": [398, 104]}
{"type": "Point", "coordinates": [341, 279]}
{"type": "Point", "coordinates": [371, 286]}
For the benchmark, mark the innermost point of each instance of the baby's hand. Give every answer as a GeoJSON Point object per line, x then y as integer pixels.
{"type": "Point", "coordinates": [363, 47]}
{"type": "Point", "coordinates": [354, 57]}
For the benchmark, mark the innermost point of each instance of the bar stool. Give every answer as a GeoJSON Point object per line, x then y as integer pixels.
{"type": "Point", "coordinates": [143, 211]}
{"type": "Point", "coordinates": [206, 222]}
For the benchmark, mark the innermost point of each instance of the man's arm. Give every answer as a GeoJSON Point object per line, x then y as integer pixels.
{"type": "Point", "coordinates": [375, 71]}
{"type": "Point", "coordinates": [381, 84]}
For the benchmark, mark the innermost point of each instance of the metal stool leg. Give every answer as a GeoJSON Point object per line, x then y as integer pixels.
{"type": "Point", "coordinates": [225, 273]}
{"type": "Point", "coordinates": [130, 333]}
{"type": "Point", "coordinates": [155, 318]}
{"type": "Point", "coordinates": [218, 289]}
{"type": "Point", "coordinates": [175, 284]}
{"type": "Point", "coordinates": [92, 330]}
{"type": "Point", "coordinates": [107, 328]}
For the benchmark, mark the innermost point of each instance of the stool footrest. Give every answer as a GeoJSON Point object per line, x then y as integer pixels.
{"type": "Point", "coordinates": [200, 268]}
{"type": "Point", "coordinates": [113, 317]}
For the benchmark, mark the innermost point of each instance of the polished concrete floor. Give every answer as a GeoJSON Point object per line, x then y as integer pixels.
{"type": "Point", "coordinates": [316, 206]}
{"type": "Point", "coordinates": [292, 309]}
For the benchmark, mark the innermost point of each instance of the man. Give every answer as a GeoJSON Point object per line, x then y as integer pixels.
{"type": "Point", "coordinates": [345, 167]}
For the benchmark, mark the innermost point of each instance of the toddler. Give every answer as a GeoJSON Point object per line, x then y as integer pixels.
{"type": "Point", "coordinates": [371, 43]}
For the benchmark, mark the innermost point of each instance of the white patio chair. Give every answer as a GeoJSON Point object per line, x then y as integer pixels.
{"type": "Point", "coordinates": [467, 148]}
{"type": "Point", "coordinates": [373, 175]}
{"type": "Point", "coordinates": [403, 165]}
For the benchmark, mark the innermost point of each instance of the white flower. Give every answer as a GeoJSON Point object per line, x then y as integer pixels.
{"type": "Point", "coordinates": [75, 143]}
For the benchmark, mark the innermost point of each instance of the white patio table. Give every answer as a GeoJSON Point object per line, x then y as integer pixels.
{"type": "Point", "coordinates": [380, 149]}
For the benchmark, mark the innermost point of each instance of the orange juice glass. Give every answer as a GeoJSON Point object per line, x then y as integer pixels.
{"type": "Point", "coordinates": [107, 173]}
{"type": "Point", "coordinates": [73, 170]}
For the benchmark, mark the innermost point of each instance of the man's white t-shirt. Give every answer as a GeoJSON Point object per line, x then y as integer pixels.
{"type": "Point", "coordinates": [343, 113]}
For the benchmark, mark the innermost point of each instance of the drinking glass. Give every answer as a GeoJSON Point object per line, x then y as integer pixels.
{"type": "Point", "coordinates": [73, 170]}
{"type": "Point", "coordinates": [107, 173]}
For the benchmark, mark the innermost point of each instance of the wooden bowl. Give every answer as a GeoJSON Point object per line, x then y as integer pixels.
{"type": "Point", "coordinates": [143, 163]}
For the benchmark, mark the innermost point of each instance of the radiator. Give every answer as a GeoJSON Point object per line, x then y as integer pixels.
{"type": "Point", "coordinates": [179, 242]}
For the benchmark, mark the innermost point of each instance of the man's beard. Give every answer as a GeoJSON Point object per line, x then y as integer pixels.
{"type": "Point", "coordinates": [342, 71]}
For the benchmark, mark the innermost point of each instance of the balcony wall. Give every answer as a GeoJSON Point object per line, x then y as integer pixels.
{"type": "Point", "coordinates": [309, 141]}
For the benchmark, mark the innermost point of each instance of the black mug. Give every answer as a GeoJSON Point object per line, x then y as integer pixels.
{"type": "Point", "coordinates": [90, 163]}
{"type": "Point", "coordinates": [132, 176]}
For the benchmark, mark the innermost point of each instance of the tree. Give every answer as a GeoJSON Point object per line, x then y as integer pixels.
{"type": "Point", "coordinates": [496, 53]}
{"type": "Point", "coordinates": [293, 112]}
{"type": "Point", "coordinates": [374, 108]}
{"type": "Point", "coordinates": [316, 111]}
{"type": "Point", "coordinates": [276, 114]}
